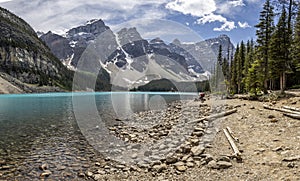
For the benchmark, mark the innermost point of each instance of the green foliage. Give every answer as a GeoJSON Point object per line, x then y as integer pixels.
{"type": "Point", "coordinates": [296, 44]}
{"type": "Point", "coordinates": [273, 60]}
{"type": "Point", "coordinates": [233, 71]}
{"type": "Point", "coordinates": [253, 83]}
{"type": "Point", "coordinates": [17, 34]}
{"type": "Point", "coordinates": [165, 85]}
{"type": "Point", "coordinates": [265, 29]}
{"type": "Point", "coordinates": [279, 50]}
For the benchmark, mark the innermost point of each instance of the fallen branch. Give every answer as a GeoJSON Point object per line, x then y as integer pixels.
{"type": "Point", "coordinates": [280, 110]}
{"type": "Point", "coordinates": [214, 116]}
{"type": "Point", "coordinates": [291, 108]}
{"type": "Point", "coordinates": [232, 135]}
{"type": "Point", "coordinates": [236, 151]}
{"type": "Point", "coordinates": [295, 116]}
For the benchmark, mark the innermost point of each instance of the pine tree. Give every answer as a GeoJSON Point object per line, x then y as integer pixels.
{"type": "Point", "coordinates": [279, 50]}
{"type": "Point", "coordinates": [253, 82]}
{"type": "Point", "coordinates": [265, 28]}
{"type": "Point", "coordinates": [248, 61]}
{"type": "Point", "coordinates": [296, 43]}
{"type": "Point", "coordinates": [219, 68]}
{"type": "Point", "coordinates": [240, 67]}
{"type": "Point", "coordinates": [233, 72]}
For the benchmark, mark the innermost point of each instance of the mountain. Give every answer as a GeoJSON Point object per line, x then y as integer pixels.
{"type": "Point", "coordinates": [205, 52]}
{"type": "Point", "coordinates": [25, 60]}
{"type": "Point", "coordinates": [131, 60]}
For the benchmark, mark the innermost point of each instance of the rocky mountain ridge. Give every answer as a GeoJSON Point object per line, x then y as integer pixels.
{"type": "Point", "coordinates": [25, 57]}
{"type": "Point", "coordinates": [131, 60]}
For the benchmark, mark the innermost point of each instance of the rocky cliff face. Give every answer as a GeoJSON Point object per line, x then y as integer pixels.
{"type": "Point", "coordinates": [25, 57]}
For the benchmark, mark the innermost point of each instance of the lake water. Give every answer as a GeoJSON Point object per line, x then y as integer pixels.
{"type": "Point", "coordinates": [42, 128]}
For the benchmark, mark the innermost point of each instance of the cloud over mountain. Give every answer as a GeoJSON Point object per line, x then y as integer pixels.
{"type": "Point", "coordinates": [59, 15]}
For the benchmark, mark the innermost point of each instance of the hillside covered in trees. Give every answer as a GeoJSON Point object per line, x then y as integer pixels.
{"type": "Point", "coordinates": [271, 61]}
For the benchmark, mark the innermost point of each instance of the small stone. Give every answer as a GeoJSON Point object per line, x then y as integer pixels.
{"type": "Point", "coordinates": [224, 158]}
{"type": "Point", "coordinates": [212, 164]}
{"type": "Point", "coordinates": [120, 166]}
{"type": "Point", "coordinates": [198, 133]}
{"type": "Point", "coordinates": [274, 120]}
{"type": "Point", "coordinates": [197, 150]}
{"type": "Point", "coordinates": [159, 168]}
{"type": "Point", "coordinates": [80, 174]}
{"type": "Point", "coordinates": [2, 162]}
{"type": "Point", "coordinates": [207, 157]}
{"type": "Point", "coordinates": [46, 173]}
{"type": "Point", "coordinates": [190, 159]}
{"type": "Point", "coordinates": [179, 163]}
{"type": "Point", "coordinates": [89, 174]}
{"type": "Point", "coordinates": [280, 148]}
{"type": "Point", "coordinates": [271, 116]}
{"type": "Point", "coordinates": [101, 172]}
{"type": "Point", "coordinates": [224, 164]}
{"type": "Point", "coordinates": [134, 156]}
{"type": "Point", "coordinates": [97, 164]}
{"type": "Point", "coordinates": [198, 129]}
{"type": "Point", "coordinates": [252, 107]}
{"type": "Point", "coordinates": [44, 167]}
{"type": "Point", "coordinates": [190, 164]}
{"type": "Point", "coordinates": [291, 165]}
{"type": "Point", "coordinates": [171, 160]}
{"type": "Point", "coordinates": [184, 158]}
{"type": "Point", "coordinates": [61, 168]}
{"type": "Point", "coordinates": [97, 177]}
{"type": "Point", "coordinates": [180, 168]}
{"type": "Point", "coordinates": [291, 159]}
{"type": "Point", "coordinates": [195, 141]}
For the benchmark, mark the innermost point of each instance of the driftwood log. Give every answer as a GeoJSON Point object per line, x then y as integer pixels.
{"type": "Point", "coordinates": [230, 139]}
{"type": "Point", "coordinates": [214, 116]}
{"type": "Point", "coordinates": [281, 110]}
{"type": "Point", "coordinates": [295, 116]}
{"type": "Point", "coordinates": [291, 108]}
{"type": "Point", "coordinates": [232, 134]}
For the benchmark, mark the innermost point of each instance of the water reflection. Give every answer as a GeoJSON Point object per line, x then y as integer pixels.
{"type": "Point", "coordinates": [37, 129]}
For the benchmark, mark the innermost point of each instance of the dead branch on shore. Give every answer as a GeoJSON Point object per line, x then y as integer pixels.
{"type": "Point", "coordinates": [280, 110]}
{"type": "Point", "coordinates": [287, 111]}
{"type": "Point", "coordinates": [295, 116]}
{"type": "Point", "coordinates": [230, 139]}
{"type": "Point", "coordinates": [232, 134]}
{"type": "Point", "coordinates": [214, 116]}
{"type": "Point", "coordinates": [292, 108]}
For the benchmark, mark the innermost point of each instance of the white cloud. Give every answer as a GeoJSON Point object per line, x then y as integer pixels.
{"type": "Point", "coordinates": [236, 3]}
{"type": "Point", "coordinates": [244, 25]}
{"type": "Point", "coordinates": [205, 10]}
{"type": "Point", "coordinates": [230, 7]}
{"type": "Point", "coordinates": [254, 1]}
{"type": "Point", "coordinates": [58, 15]}
{"type": "Point", "coordinates": [193, 7]}
{"type": "Point", "coordinates": [2, 1]}
{"type": "Point", "coordinates": [227, 25]}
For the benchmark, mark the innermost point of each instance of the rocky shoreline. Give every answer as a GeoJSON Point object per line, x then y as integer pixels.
{"type": "Point", "coordinates": [177, 147]}
{"type": "Point", "coordinates": [165, 154]}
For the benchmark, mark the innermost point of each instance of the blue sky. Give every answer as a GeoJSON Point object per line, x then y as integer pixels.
{"type": "Point", "coordinates": [207, 18]}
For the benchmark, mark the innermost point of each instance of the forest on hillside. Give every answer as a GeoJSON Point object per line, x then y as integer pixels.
{"type": "Point", "coordinates": [271, 61]}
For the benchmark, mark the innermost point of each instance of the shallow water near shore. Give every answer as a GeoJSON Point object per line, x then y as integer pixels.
{"type": "Point", "coordinates": [41, 128]}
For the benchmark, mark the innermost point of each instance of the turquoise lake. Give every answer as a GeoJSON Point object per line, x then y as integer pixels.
{"type": "Point", "coordinates": [39, 128]}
